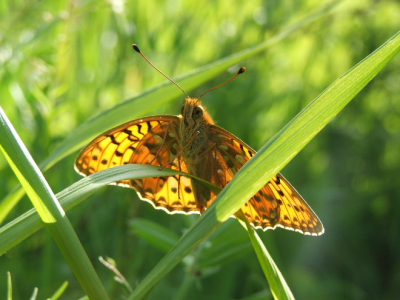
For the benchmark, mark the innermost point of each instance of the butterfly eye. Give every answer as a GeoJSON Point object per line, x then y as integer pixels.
{"type": "Point", "coordinates": [182, 109]}
{"type": "Point", "coordinates": [198, 112]}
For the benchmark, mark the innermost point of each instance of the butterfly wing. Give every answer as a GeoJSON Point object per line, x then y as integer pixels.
{"type": "Point", "coordinates": [154, 141]}
{"type": "Point", "coordinates": [277, 204]}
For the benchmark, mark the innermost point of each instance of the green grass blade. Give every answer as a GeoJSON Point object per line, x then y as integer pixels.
{"type": "Point", "coordinates": [48, 208]}
{"type": "Point", "coordinates": [25, 225]}
{"type": "Point", "coordinates": [9, 286]}
{"type": "Point", "coordinates": [34, 294]}
{"type": "Point", "coordinates": [155, 234]}
{"type": "Point", "coordinates": [273, 157]}
{"type": "Point", "coordinates": [229, 254]}
{"type": "Point", "coordinates": [10, 201]}
{"type": "Point", "coordinates": [228, 244]}
{"type": "Point", "coordinates": [40, 206]}
{"type": "Point", "coordinates": [279, 288]}
{"type": "Point", "coordinates": [60, 291]}
{"type": "Point", "coordinates": [295, 135]}
{"type": "Point", "coordinates": [265, 294]}
{"type": "Point", "coordinates": [185, 288]}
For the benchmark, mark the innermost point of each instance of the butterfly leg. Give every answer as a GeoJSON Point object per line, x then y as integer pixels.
{"type": "Point", "coordinates": [162, 144]}
{"type": "Point", "coordinates": [183, 149]}
{"type": "Point", "coordinates": [210, 148]}
{"type": "Point", "coordinates": [170, 129]}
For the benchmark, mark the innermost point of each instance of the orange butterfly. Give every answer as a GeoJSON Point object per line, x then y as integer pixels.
{"type": "Point", "coordinates": [192, 143]}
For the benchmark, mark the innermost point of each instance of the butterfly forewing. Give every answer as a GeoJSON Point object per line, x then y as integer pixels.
{"type": "Point", "coordinates": [277, 204]}
{"type": "Point", "coordinates": [151, 140]}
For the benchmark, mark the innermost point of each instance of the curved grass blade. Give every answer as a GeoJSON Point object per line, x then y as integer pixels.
{"type": "Point", "coordinates": [279, 288]}
{"type": "Point", "coordinates": [142, 104]}
{"type": "Point", "coordinates": [49, 209]}
{"type": "Point", "coordinates": [9, 286]}
{"type": "Point", "coordinates": [25, 225]}
{"type": "Point", "coordinates": [155, 234]}
{"type": "Point", "coordinates": [34, 294]}
{"type": "Point", "coordinates": [57, 294]}
{"type": "Point", "coordinates": [273, 157]}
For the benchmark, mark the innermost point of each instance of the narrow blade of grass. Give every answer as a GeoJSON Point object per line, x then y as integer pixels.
{"type": "Point", "coordinates": [60, 291]}
{"type": "Point", "coordinates": [9, 286]}
{"type": "Point", "coordinates": [25, 225]}
{"type": "Point", "coordinates": [279, 288]}
{"type": "Point", "coordinates": [34, 294]}
{"type": "Point", "coordinates": [157, 235]}
{"type": "Point", "coordinates": [273, 157]}
{"type": "Point", "coordinates": [49, 209]}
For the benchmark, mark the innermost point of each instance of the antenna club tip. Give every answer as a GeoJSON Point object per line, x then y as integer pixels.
{"type": "Point", "coordinates": [136, 48]}
{"type": "Point", "coordinates": [242, 69]}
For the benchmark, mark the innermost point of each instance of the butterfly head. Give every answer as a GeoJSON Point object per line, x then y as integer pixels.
{"type": "Point", "coordinates": [193, 113]}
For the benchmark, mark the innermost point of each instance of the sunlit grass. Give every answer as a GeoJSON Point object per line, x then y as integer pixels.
{"type": "Point", "coordinates": [63, 64]}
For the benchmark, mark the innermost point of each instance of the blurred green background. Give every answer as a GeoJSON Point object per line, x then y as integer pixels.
{"type": "Point", "coordinates": [62, 62]}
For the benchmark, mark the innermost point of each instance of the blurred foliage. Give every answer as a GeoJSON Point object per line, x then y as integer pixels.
{"type": "Point", "coordinates": [62, 62]}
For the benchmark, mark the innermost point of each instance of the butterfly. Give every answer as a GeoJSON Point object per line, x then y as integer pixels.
{"type": "Point", "coordinates": [192, 143]}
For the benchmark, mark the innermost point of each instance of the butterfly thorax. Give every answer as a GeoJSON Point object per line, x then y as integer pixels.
{"type": "Point", "coordinates": [194, 130]}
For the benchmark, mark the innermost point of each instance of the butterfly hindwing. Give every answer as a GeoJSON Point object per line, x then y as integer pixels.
{"type": "Point", "coordinates": [152, 140]}
{"type": "Point", "coordinates": [277, 204]}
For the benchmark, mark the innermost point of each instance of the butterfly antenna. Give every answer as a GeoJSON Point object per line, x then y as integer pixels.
{"type": "Point", "coordinates": [136, 48]}
{"type": "Point", "coordinates": [242, 69]}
